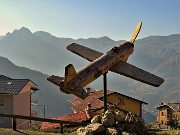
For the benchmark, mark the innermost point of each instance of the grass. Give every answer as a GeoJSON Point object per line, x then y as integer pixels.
{"type": "Point", "coordinates": [72, 131]}
{"type": "Point", "coordinates": [164, 132]}
{"type": "Point", "coordinates": [8, 131]}
{"type": "Point", "coordinates": [67, 131]}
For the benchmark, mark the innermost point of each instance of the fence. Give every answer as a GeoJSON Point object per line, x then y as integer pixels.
{"type": "Point", "coordinates": [61, 122]}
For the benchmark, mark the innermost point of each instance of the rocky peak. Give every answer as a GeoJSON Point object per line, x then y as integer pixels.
{"type": "Point", "coordinates": [18, 34]}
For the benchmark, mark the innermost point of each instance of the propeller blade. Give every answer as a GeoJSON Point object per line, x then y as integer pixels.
{"type": "Point", "coordinates": [136, 32]}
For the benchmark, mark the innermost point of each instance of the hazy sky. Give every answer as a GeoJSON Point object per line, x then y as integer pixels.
{"type": "Point", "coordinates": [91, 18]}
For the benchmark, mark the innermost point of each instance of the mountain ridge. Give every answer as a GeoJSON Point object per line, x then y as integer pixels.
{"type": "Point", "coordinates": [44, 52]}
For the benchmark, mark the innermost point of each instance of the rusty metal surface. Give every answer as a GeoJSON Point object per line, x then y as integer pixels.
{"type": "Point", "coordinates": [101, 65]}
{"type": "Point", "coordinates": [85, 52]}
{"type": "Point", "coordinates": [138, 74]}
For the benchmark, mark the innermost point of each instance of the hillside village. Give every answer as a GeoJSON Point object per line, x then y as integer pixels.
{"type": "Point", "coordinates": [20, 87]}
{"type": "Point", "coordinates": [15, 94]}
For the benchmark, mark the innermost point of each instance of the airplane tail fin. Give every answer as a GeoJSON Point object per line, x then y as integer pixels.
{"type": "Point", "coordinates": [70, 72]}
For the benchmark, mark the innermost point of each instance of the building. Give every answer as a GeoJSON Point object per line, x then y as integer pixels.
{"type": "Point", "coordinates": [15, 98]}
{"type": "Point", "coordinates": [168, 112]}
{"type": "Point", "coordinates": [82, 116]}
{"type": "Point", "coordinates": [95, 98]}
{"type": "Point", "coordinates": [85, 110]}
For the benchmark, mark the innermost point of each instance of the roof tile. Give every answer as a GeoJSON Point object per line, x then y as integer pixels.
{"type": "Point", "coordinates": [79, 104]}
{"type": "Point", "coordinates": [81, 116]}
{"type": "Point", "coordinates": [3, 77]}
{"type": "Point", "coordinates": [11, 86]}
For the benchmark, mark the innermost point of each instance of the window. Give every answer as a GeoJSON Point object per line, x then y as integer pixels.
{"type": "Point", "coordinates": [120, 100]}
{"type": "Point", "coordinates": [162, 113]}
{"type": "Point", "coordinates": [170, 115]}
{"type": "Point", "coordinates": [1, 102]}
{"type": "Point", "coordinates": [162, 122]}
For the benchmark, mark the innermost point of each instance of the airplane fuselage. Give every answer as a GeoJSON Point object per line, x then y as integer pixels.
{"type": "Point", "coordinates": [101, 65]}
{"type": "Point", "coordinates": [114, 60]}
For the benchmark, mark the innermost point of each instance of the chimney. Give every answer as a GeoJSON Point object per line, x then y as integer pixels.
{"type": "Point", "coordinates": [88, 90]}
{"type": "Point", "coordinates": [88, 106]}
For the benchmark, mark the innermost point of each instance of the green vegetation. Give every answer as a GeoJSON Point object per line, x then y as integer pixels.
{"type": "Point", "coordinates": [66, 130]}
{"type": "Point", "coordinates": [72, 131]}
{"type": "Point", "coordinates": [7, 131]}
{"type": "Point", "coordinates": [164, 132]}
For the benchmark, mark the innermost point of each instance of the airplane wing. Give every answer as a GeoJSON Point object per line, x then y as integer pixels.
{"type": "Point", "coordinates": [138, 74]}
{"type": "Point", "coordinates": [85, 52]}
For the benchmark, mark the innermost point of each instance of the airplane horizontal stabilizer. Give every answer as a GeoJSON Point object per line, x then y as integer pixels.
{"type": "Point", "coordinates": [55, 79]}
{"type": "Point", "coordinates": [85, 52]}
{"type": "Point", "coordinates": [136, 73]}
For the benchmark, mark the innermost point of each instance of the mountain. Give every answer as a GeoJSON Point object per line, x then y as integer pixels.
{"type": "Point", "coordinates": [173, 62]}
{"type": "Point", "coordinates": [48, 94]}
{"type": "Point", "coordinates": [1, 37]}
{"type": "Point", "coordinates": [44, 52]}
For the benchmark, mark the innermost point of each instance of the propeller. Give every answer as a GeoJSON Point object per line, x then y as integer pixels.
{"type": "Point", "coordinates": [136, 32]}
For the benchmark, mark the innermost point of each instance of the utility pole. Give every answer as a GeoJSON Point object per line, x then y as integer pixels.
{"type": "Point", "coordinates": [142, 109]}
{"type": "Point", "coordinates": [44, 111]}
{"type": "Point", "coordinates": [105, 90]}
{"type": "Point", "coordinates": [45, 107]}
{"type": "Point", "coordinates": [32, 90]}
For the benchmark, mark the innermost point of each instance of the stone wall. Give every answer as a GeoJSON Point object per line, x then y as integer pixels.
{"type": "Point", "coordinates": [114, 123]}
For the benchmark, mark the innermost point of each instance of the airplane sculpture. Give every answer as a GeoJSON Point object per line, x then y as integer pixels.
{"type": "Point", "coordinates": [114, 60]}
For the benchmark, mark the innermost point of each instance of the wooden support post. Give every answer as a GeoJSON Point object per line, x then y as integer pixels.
{"type": "Point", "coordinates": [61, 128]}
{"type": "Point", "coordinates": [14, 124]}
{"type": "Point", "coordinates": [105, 90]}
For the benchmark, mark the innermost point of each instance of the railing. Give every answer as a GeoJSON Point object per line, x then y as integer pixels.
{"type": "Point", "coordinates": [61, 122]}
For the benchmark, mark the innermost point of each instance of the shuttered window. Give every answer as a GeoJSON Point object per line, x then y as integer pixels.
{"type": "Point", "coordinates": [120, 100]}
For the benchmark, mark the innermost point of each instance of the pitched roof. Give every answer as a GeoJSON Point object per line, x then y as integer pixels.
{"type": "Point", "coordinates": [174, 106]}
{"type": "Point", "coordinates": [3, 77]}
{"type": "Point", "coordinates": [126, 97]}
{"type": "Point", "coordinates": [81, 116]}
{"type": "Point", "coordinates": [93, 99]}
{"type": "Point", "coordinates": [11, 86]}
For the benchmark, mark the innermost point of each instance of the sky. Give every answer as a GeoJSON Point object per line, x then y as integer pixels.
{"type": "Point", "coordinates": [75, 19]}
